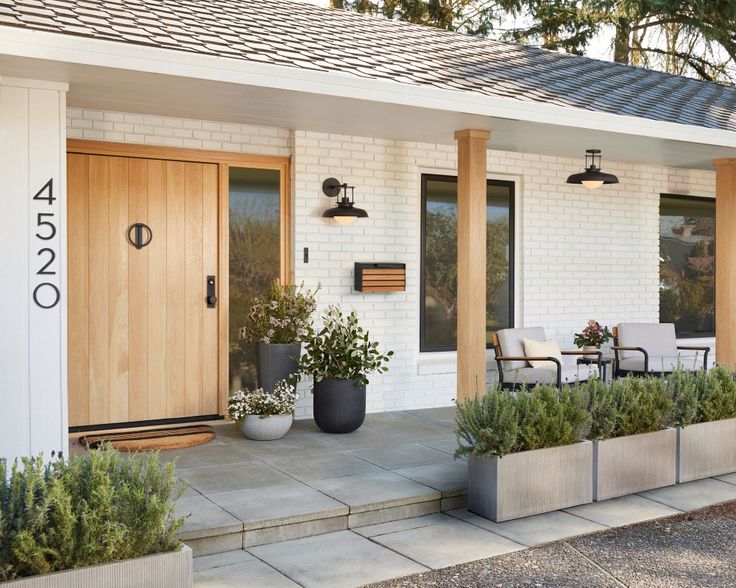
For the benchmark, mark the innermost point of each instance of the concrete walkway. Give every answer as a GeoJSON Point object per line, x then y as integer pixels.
{"type": "Point", "coordinates": [682, 551]}
{"type": "Point", "coordinates": [399, 548]}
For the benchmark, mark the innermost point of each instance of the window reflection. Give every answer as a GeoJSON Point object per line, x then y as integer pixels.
{"type": "Point", "coordinates": [255, 256]}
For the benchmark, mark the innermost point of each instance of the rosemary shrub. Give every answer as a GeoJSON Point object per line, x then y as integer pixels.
{"type": "Point", "coordinates": [84, 510]}
{"type": "Point", "coordinates": [502, 422]}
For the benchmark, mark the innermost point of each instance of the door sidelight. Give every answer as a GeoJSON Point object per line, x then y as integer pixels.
{"type": "Point", "coordinates": [211, 292]}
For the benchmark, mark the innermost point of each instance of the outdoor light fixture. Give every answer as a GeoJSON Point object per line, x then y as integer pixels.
{"type": "Point", "coordinates": [344, 212]}
{"type": "Point", "coordinates": [592, 177]}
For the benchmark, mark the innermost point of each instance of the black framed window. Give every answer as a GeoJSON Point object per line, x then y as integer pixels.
{"type": "Point", "coordinates": [687, 228]}
{"type": "Point", "coordinates": [438, 289]}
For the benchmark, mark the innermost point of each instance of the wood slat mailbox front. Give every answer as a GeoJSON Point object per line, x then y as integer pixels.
{"type": "Point", "coordinates": [380, 277]}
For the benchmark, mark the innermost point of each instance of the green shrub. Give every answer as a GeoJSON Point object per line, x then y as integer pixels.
{"type": "Point", "coordinates": [629, 406]}
{"type": "Point", "coordinates": [602, 407]}
{"type": "Point", "coordinates": [85, 510]}
{"type": "Point", "coordinates": [504, 422]}
{"type": "Point", "coordinates": [701, 397]}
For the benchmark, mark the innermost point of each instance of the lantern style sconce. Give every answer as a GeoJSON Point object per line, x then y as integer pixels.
{"type": "Point", "coordinates": [344, 212]}
{"type": "Point", "coordinates": [592, 177]}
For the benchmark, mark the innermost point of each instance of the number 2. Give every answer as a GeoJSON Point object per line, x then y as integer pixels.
{"type": "Point", "coordinates": [43, 271]}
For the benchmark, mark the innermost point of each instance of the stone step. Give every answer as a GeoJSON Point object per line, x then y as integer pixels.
{"type": "Point", "coordinates": [235, 520]}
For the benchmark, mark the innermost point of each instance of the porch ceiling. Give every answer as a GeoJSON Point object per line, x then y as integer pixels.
{"type": "Point", "coordinates": [169, 95]}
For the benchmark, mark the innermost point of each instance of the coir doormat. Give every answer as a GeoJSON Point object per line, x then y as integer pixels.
{"type": "Point", "coordinates": [151, 439]}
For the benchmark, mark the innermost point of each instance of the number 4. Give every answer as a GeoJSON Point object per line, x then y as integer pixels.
{"type": "Point", "coordinates": [49, 186]}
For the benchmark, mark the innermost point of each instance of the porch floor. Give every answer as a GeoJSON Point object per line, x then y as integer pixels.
{"type": "Point", "coordinates": [245, 493]}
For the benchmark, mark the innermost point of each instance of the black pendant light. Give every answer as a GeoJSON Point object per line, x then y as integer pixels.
{"type": "Point", "coordinates": [344, 212]}
{"type": "Point", "coordinates": [592, 177]}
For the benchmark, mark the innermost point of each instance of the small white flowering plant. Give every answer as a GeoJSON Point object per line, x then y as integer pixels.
{"type": "Point", "coordinates": [261, 402]}
{"type": "Point", "coordinates": [281, 315]}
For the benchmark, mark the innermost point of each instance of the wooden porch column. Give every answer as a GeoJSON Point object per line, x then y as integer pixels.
{"type": "Point", "coordinates": [726, 262]}
{"type": "Point", "coordinates": [471, 262]}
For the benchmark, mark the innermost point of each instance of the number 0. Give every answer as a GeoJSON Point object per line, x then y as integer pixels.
{"type": "Point", "coordinates": [57, 295]}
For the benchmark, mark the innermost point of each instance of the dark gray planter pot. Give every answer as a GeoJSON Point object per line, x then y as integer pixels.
{"type": "Point", "coordinates": [276, 361]}
{"type": "Point", "coordinates": [339, 405]}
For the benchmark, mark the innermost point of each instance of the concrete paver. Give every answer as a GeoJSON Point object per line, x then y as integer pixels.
{"type": "Point", "coordinates": [534, 530]}
{"type": "Point", "coordinates": [335, 560]}
{"type": "Point", "coordinates": [693, 495]}
{"type": "Point", "coordinates": [625, 510]}
{"type": "Point", "coordinates": [444, 541]}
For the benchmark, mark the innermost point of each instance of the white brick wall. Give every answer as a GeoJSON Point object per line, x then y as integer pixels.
{"type": "Point", "coordinates": [167, 131]}
{"type": "Point", "coordinates": [580, 254]}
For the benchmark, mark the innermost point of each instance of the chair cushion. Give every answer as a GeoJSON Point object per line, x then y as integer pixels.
{"type": "Point", "coordinates": [657, 338]}
{"type": "Point", "coordinates": [569, 374]}
{"type": "Point", "coordinates": [534, 348]}
{"type": "Point", "coordinates": [511, 343]}
{"type": "Point", "coordinates": [688, 363]}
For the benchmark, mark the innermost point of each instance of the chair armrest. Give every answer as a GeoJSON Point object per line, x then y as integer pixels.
{"type": "Point", "coordinates": [524, 358]}
{"type": "Point", "coordinates": [617, 348]}
{"type": "Point", "coordinates": [558, 363]}
{"type": "Point", "coordinates": [704, 348]}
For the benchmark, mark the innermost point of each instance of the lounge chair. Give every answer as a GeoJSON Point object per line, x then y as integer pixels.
{"type": "Point", "coordinates": [515, 369]}
{"type": "Point", "coordinates": [652, 349]}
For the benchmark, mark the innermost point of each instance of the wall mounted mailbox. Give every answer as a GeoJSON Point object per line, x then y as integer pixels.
{"type": "Point", "coordinates": [380, 277]}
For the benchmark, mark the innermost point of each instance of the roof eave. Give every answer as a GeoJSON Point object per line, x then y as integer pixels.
{"type": "Point", "coordinates": [95, 52]}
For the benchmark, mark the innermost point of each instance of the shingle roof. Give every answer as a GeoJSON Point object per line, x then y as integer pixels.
{"type": "Point", "coordinates": [294, 34]}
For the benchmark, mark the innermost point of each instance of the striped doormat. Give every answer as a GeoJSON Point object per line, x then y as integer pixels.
{"type": "Point", "coordinates": [151, 439]}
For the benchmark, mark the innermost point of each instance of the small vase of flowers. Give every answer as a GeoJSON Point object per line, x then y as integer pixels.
{"type": "Point", "coordinates": [264, 415]}
{"type": "Point", "coordinates": [592, 337]}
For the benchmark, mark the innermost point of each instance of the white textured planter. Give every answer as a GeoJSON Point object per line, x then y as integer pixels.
{"type": "Point", "coordinates": [163, 570]}
{"type": "Point", "coordinates": [531, 482]}
{"type": "Point", "coordinates": [626, 465]}
{"type": "Point", "coordinates": [266, 429]}
{"type": "Point", "coordinates": [706, 449]}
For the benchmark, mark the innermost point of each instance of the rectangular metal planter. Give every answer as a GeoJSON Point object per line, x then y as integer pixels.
{"type": "Point", "coordinates": [162, 570]}
{"type": "Point", "coordinates": [626, 465]}
{"type": "Point", "coordinates": [531, 482]}
{"type": "Point", "coordinates": [706, 449]}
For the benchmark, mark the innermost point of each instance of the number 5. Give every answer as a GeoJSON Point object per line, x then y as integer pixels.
{"type": "Point", "coordinates": [52, 228]}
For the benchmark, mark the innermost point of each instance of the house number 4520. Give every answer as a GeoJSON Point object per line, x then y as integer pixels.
{"type": "Point", "coordinates": [45, 294]}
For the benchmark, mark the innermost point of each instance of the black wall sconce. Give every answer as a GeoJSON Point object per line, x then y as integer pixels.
{"type": "Point", "coordinates": [344, 212]}
{"type": "Point", "coordinates": [592, 177]}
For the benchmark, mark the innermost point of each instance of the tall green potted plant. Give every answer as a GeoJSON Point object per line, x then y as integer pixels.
{"type": "Point", "coordinates": [339, 357]}
{"type": "Point", "coordinates": [279, 321]}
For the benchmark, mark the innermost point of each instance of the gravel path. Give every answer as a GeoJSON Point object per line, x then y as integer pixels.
{"type": "Point", "coordinates": [689, 550]}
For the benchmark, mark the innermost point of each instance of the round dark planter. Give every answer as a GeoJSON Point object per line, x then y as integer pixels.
{"type": "Point", "coordinates": [276, 361]}
{"type": "Point", "coordinates": [339, 405]}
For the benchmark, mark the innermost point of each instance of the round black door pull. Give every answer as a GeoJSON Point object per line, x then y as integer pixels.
{"type": "Point", "coordinates": [135, 235]}
{"type": "Point", "coordinates": [212, 300]}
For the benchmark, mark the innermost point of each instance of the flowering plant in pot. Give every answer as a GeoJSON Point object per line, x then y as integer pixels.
{"type": "Point", "coordinates": [339, 357]}
{"type": "Point", "coordinates": [264, 415]}
{"type": "Point", "coordinates": [592, 336]}
{"type": "Point", "coordinates": [279, 321]}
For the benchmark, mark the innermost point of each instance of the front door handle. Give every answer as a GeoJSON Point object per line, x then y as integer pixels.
{"type": "Point", "coordinates": [211, 292]}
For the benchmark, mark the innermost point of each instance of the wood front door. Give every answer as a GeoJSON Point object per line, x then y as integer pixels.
{"type": "Point", "coordinates": [143, 343]}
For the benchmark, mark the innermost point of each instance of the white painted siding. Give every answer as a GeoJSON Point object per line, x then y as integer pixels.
{"type": "Point", "coordinates": [33, 346]}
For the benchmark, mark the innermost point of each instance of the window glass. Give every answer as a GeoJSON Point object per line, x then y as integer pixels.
{"type": "Point", "coordinates": [255, 256]}
{"type": "Point", "coordinates": [687, 227]}
{"type": "Point", "coordinates": [439, 261]}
